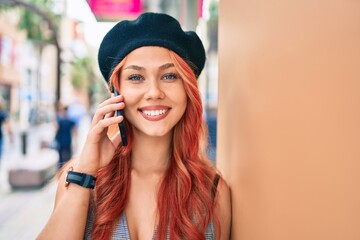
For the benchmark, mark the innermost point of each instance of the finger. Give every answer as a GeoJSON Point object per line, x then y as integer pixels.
{"type": "Point", "coordinates": [113, 99]}
{"type": "Point", "coordinates": [99, 114]}
{"type": "Point", "coordinates": [102, 125]}
{"type": "Point", "coordinates": [110, 114]}
{"type": "Point", "coordinates": [108, 109]}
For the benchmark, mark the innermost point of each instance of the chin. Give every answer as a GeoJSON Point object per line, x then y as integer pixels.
{"type": "Point", "coordinates": [157, 134]}
{"type": "Point", "coordinates": [153, 131]}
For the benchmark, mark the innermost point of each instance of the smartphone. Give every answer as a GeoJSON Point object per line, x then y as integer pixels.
{"type": "Point", "coordinates": [121, 125]}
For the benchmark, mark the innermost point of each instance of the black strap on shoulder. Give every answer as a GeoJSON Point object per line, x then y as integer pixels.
{"type": "Point", "coordinates": [215, 184]}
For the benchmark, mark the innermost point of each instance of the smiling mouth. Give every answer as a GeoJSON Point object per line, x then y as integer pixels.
{"type": "Point", "coordinates": [153, 113]}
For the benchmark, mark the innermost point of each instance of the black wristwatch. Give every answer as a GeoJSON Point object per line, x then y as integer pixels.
{"type": "Point", "coordinates": [82, 179]}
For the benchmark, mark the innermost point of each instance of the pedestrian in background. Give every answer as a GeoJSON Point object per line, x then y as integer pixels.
{"type": "Point", "coordinates": [77, 113]}
{"type": "Point", "coordinates": [161, 185]}
{"type": "Point", "coordinates": [4, 125]}
{"type": "Point", "coordinates": [65, 129]}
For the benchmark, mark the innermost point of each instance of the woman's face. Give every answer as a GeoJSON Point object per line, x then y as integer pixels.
{"type": "Point", "coordinates": [155, 98]}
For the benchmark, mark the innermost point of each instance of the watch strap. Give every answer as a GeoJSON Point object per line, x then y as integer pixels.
{"type": "Point", "coordinates": [82, 179]}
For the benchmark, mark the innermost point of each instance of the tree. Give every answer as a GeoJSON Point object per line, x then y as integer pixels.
{"type": "Point", "coordinates": [40, 25]}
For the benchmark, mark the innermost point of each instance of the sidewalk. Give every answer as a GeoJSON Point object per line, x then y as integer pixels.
{"type": "Point", "coordinates": [24, 212]}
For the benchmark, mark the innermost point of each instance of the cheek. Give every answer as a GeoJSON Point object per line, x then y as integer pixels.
{"type": "Point", "coordinates": [131, 101]}
{"type": "Point", "coordinates": [178, 93]}
{"type": "Point", "coordinates": [131, 95]}
{"type": "Point", "coordinates": [182, 101]}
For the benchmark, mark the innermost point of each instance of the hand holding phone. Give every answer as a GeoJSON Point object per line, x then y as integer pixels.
{"type": "Point", "coordinates": [121, 125]}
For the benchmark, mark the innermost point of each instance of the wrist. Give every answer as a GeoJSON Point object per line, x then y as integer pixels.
{"type": "Point", "coordinates": [81, 179]}
{"type": "Point", "coordinates": [85, 167]}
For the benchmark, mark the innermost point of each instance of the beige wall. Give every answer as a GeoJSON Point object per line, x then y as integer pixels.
{"type": "Point", "coordinates": [289, 117]}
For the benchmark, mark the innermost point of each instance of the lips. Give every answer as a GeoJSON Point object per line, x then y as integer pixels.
{"type": "Point", "coordinates": [154, 113]}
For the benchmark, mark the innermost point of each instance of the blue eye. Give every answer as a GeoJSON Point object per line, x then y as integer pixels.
{"type": "Point", "coordinates": [170, 76]}
{"type": "Point", "coordinates": [135, 77]}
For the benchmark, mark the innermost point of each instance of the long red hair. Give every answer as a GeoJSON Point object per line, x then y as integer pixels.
{"type": "Point", "coordinates": [184, 201]}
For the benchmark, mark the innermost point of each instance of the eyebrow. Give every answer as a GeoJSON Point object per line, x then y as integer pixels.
{"type": "Point", "coordinates": [166, 66]}
{"type": "Point", "coordinates": [162, 67]}
{"type": "Point", "coordinates": [135, 67]}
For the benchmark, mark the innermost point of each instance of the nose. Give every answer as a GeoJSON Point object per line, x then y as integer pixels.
{"type": "Point", "coordinates": [154, 90]}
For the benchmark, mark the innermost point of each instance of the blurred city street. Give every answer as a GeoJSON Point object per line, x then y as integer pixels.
{"type": "Point", "coordinates": [24, 211]}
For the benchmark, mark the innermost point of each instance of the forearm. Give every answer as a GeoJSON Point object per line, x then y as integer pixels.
{"type": "Point", "coordinates": [68, 219]}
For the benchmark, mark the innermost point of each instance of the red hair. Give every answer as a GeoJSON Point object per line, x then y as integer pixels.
{"type": "Point", "coordinates": [185, 203]}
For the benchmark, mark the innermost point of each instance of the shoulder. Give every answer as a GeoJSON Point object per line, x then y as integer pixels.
{"type": "Point", "coordinates": [223, 208]}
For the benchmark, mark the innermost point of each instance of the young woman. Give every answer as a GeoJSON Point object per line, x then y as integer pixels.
{"type": "Point", "coordinates": [161, 185]}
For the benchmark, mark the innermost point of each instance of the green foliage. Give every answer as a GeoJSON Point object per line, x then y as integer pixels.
{"type": "Point", "coordinates": [85, 76]}
{"type": "Point", "coordinates": [82, 72]}
{"type": "Point", "coordinates": [213, 25]}
{"type": "Point", "coordinates": [36, 27]}
{"type": "Point", "coordinates": [214, 10]}
{"type": "Point", "coordinates": [32, 25]}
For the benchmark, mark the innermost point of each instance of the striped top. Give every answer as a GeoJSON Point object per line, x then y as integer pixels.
{"type": "Point", "coordinates": [122, 231]}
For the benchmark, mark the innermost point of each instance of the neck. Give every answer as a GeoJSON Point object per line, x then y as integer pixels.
{"type": "Point", "coordinates": [150, 155]}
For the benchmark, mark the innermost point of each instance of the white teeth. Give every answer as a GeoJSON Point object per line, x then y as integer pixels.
{"type": "Point", "coordinates": [154, 112]}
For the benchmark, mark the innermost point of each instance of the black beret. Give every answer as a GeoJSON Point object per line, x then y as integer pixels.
{"type": "Point", "coordinates": [149, 29]}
